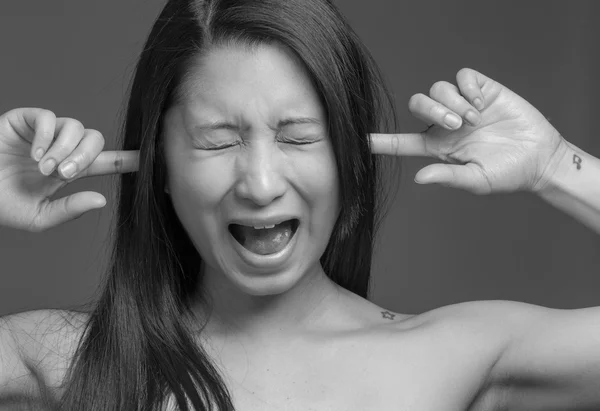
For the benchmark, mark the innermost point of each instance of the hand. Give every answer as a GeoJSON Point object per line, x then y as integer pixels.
{"type": "Point", "coordinates": [511, 146]}
{"type": "Point", "coordinates": [25, 187]}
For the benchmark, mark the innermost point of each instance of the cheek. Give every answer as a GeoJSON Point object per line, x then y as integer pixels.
{"type": "Point", "coordinates": [197, 192]}
{"type": "Point", "coordinates": [319, 181]}
{"type": "Point", "coordinates": [204, 183]}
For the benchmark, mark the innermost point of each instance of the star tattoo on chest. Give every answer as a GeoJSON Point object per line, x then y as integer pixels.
{"type": "Point", "coordinates": [388, 315]}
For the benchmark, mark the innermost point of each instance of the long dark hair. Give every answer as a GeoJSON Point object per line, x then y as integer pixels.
{"type": "Point", "coordinates": [139, 345]}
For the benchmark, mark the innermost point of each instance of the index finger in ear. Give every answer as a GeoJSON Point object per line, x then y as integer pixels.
{"type": "Point", "coordinates": [113, 162]}
{"type": "Point", "coordinates": [407, 144]}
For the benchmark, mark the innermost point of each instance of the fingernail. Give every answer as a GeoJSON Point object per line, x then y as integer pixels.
{"type": "Point", "coordinates": [452, 120]}
{"type": "Point", "coordinates": [478, 104]}
{"type": "Point", "coordinates": [472, 117]}
{"type": "Point", "coordinates": [48, 166]}
{"type": "Point", "coordinates": [39, 153]}
{"type": "Point", "coordinates": [68, 169]}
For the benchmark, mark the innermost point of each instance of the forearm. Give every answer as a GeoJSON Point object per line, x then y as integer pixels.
{"type": "Point", "coordinates": [574, 186]}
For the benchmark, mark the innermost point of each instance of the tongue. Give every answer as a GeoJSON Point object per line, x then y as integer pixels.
{"type": "Point", "coordinates": [263, 241]}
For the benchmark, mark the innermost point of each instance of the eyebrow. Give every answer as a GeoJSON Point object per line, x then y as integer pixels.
{"type": "Point", "coordinates": [297, 120]}
{"type": "Point", "coordinates": [282, 123]}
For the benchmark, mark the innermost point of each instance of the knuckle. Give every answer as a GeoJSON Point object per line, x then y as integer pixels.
{"type": "Point", "coordinates": [457, 104]}
{"type": "Point", "coordinates": [468, 87]}
{"type": "Point", "coordinates": [60, 148]}
{"type": "Point", "coordinates": [79, 126]}
{"type": "Point", "coordinates": [47, 131]}
{"type": "Point", "coordinates": [413, 102]}
{"type": "Point", "coordinates": [438, 87]}
{"type": "Point", "coordinates": [118, 163]}
{"type": "Point", "coordinates": [46, 113]}
{"type": "Point", "coordinates": [96, 135]}
{"type": "Point", "coordinates": [463, 71]}
{"type": "Point", "coordinates": [82, 160]}
{"type": "Point", "coordinates": [433, 111]}
{"type": "Point", "coordinates": [48, 134]}
{"type": "Point", "coordinates": [75, 125]}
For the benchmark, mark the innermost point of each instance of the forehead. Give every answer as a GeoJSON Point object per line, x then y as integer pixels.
{"type": "Point", "coordinates": [267, 75]}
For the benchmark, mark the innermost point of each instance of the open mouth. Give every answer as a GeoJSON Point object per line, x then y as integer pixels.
{"type": "Point", "coordinates": [265, 241]}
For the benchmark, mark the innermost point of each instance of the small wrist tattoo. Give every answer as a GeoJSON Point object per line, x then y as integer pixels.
{"type": "Point", "coordinates": [577, 161]}
{"type": "Point", "coordinates": [388, 315]}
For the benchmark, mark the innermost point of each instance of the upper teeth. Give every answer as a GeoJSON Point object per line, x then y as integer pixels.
{"type": "Point", "coordinates": [266, 226]}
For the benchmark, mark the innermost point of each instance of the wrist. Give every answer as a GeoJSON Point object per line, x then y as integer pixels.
{"type": "Point", "coordinates": [558, 166]}
{"type": "Point", "coordinates": [572, 184]}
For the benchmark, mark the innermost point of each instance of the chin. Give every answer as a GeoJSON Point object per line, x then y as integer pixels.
{"type": "Point", "coordinates": [266, 284]}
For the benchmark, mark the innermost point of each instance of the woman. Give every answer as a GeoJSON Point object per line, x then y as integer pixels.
{"type": "Point", "coordinates": [241, 263]}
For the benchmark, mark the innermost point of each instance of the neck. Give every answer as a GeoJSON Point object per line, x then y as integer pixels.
{"type": "Point", "coordinates": [270, 315]}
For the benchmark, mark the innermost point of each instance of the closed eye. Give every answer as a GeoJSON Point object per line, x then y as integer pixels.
{"type": "Point", "coordinates": [284, 140]}
{"type": "Point", "coordinates": [222, 147]}
{"type": "Point", "coordinates": [298, 142]}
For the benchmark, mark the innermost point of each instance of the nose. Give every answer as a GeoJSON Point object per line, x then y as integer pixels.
{"type": "Point", "coordinates": [260, 174]}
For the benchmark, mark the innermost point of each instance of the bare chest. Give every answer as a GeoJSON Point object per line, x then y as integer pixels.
{"type": "Point", "coordinates": [377, 371]}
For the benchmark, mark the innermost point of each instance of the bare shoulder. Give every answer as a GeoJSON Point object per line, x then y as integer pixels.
{"type": "Point", "coordinates": [496, 318]}
{"type": "Point", "coordinates": [491, 322]}
{"type": "Point", "coordinates": [45, 339]}
{"type": "Point", "coordinates": [468, 324]}
{"type": "Point", "coordinates": [450, 350]}
{"type": "Point", "coordinates": [478, 333]}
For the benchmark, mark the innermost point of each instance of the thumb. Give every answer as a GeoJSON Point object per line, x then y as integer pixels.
{"type": "Point", "coordinates": [467, 177]}
{"type": "Point", "coordinates": [61, 210]}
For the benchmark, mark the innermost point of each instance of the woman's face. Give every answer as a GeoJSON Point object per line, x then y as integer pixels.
{"type": "Point", "coordinates": [249, 148]}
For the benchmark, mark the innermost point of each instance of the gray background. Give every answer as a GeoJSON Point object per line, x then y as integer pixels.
{"type": "Point", "coordinates": [439, 246]}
